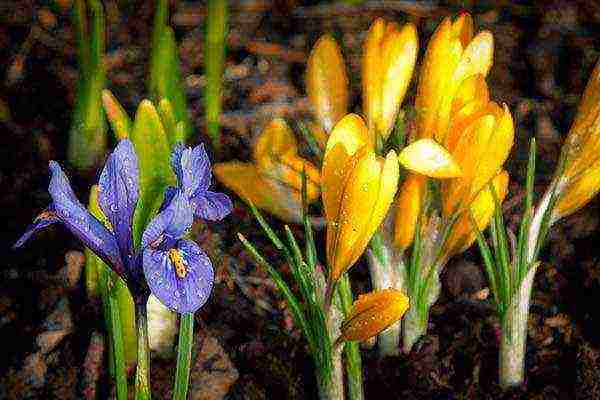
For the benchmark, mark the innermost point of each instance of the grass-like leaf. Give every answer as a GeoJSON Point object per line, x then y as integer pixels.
{"type": "Point", "coordinates": [118, 347]}
{"type": "Point", "coordinates": [142, 373]}
{"type": "Point", "coordinates": [184, 356]}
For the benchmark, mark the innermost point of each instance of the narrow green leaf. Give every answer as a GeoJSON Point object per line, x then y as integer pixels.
{"type": "Point", "coordinates": [214, 60]}
{"type": "Point", "coordinates": [165, 109]}
{"type": "Point", "coordinates": [184, 356]}
{"type": "Point", "coordinates": [116, 115]}
{"type": "Point", "coordinates": [286, 292]}
{"type": "Point", "coordinates": [142, 372]}
{"type": "Point", "coordinates": [310, 139]}
{"type": "Point", "coordinates": [87, 136]}
{"type": "Point", "coordinates": [266, 228]}
{"type": "Point", "coordinates": [310, 247]}
{"type": "Point", "coordinates": [118, 345]}
{"type": "Point", "coordinates": [490, 267]}
{"type": "Point", "coordinates": [151, 145]}
{"type": "Point", "coordinates": [530, 176]}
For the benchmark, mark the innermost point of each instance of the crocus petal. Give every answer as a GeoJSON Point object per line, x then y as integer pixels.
{"type": "Point", "coordinates": [118, 193]}
{"type": "Point", "coordinates": [326, 82]}
{"type": "Point", "coordinates": [389, 57]}
{"type": "Point", "coordinates": [46, 218]}
{"type": "Point", "coordinates": [408, 209]}
{"type": "Point", "coordinates": [80, 222]}
{"type": "Point", "coordinates": [578, 193]}
{"type": "Point", "coordinates": [427, 157]}
{"type": "Point", "coordinates": [351, 132]}
{"type": "Point", "coordinates": [180, 277]}
{"type": "Point", "coordinates": [365, 199]}
{"type": "Point", "coordinates": [212, 206]}
{"type": "Point", "coordinates": [192, 168]}
{"type": "Point", "coordinates": [482, 209]}
{"type": "Point", "coordinates": [170, 224]}
{"type": "Point", "coordinates": [275, 140]}
{"type": "Point", "coordinates": [372, 313]}
{"type": "Point", "coordinates": [266, 194]}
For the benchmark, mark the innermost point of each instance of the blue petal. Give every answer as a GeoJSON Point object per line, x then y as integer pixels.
{"type": "Point", "coordinates": [170, 224]}
{"type": "Point", "coordinates": [118, 193]}
{"type": "Point", "coordinates": [46, 218]}
{"type": "Point", "coordinates": [182, 292]}
{"type": "Point", "coordinates": [212, 206]}
{"type": "Point", "coordinates": [192, 167]}
{"type": "Point", "coordinates": [169, 194]}
{"type": "Point", "coordinates": [80, 222]}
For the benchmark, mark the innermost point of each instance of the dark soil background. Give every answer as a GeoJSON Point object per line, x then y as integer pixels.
{"type": "Point", "coordinates": [247, 346]}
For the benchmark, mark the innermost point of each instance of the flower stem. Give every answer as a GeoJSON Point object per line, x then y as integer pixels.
{"type": "Point", "coordinates": [332, 387]}
{"type": "Point", "coordinates": [351, 349]}
{"type": "Point", "coordinates": [142, 373]}
{"type": "Point", "coordinates": [514, 335]}
{"type": "Point", "coordinates": [184, 356]}
{"type": "Point", "coordinates": [414, 325]}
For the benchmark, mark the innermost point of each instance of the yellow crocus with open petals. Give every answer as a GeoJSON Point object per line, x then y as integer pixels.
{"type": "Point", "coordinates": [581, 152]}
{"type": "Point", "coordinates": [453, 55]}
{"type": "Point", "coordinates": [274, 181]}
{"type": "Point", "coordinates": [327, 83]}
{"type": "Point", "coordinates": [358, 188]}
{"type": "Point", "coordinates": [481, 209]}
{"type": "Point", "coordinates": [373, 312]}
{"type": "Point", "coordinates": [389, 57]}
{"type": "Point", "coordinates": [480, 140]}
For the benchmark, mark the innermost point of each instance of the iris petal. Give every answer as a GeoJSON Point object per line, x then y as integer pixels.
{"type": "Point", "coordinates": [118, 193]}
{"type": "Point", "coordinates": [46, 218]}
{"type": "Point", "coordinates": [212, 206]}
{"type": "Point", "coordinates": [170, 224]}
{"type": "Point", "coordinates": [184, 287]}
{"type": "Point", "coordinates": [80, 222]}
{"type": "Point", "coordinates": [192, 167]}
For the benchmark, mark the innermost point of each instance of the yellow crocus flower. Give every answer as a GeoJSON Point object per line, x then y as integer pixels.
{"type": "Point", "coordinates": [580, 180]}
{"type": "Point", "coordinates": [358, 188]}
{"type": "Point", "coordinates": [453, 55]}
{"type": "Point", "coordinates": [274, 181]}
{"type": "Point", "coordinates": [327, 83]}
{"type": "Point", "coordinates": [408, 209]}
{"type": "Point", "coordinates": [373, 312]}
{"type": "Point", "coordinates": [389, 57]}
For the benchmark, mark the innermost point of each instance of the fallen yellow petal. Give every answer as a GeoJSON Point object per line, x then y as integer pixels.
{"type": "Point", "coordinates": [372, 313]}
{"type": "Point", "coordinates": [326, 82]}
{"type": "Point", "coordinates": [427, 157]}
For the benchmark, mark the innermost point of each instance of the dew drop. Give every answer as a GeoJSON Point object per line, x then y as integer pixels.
{"type": "Point", "coordinates": [114, 207]}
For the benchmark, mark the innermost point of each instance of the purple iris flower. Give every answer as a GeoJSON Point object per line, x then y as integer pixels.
{"type": "Point", "coordinates": [177, 271]}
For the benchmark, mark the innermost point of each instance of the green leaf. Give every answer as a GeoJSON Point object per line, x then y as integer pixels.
{"type": "Point", "coordinates": [166, 81]}
{"type": "Point", "coordinates": [214, 60]}
{"type": "Point", "coordinates": [142, 372]}
{"type": "Point", "coordinates": [116, 115]}
{"type": "Point", "coordinates": [118, 345]}
{"type": "Point", "coordinates": [151, 145]}
{"type": "Point", "coordinates": [87, 136]}
{"type": "Point", "coordinates": [184, 356]}
{"type": "Point", "coordinates": [165, 109]}
{"type": "Point", "coordinates": [490, 267]}
{"type": "Point", "coordinates": [310, 139]}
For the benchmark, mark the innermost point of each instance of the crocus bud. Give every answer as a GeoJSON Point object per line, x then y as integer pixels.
{"type": "Point", "coordinates": [372, 313]}
{"type": "Point", "coordinates": [389, 58]}
{"type": "Point", "coordinates": [358, 188]}
{"type": "Point", "coordinates": [408, 209]}
{"type": "Point", "coordinates": [326, 82]}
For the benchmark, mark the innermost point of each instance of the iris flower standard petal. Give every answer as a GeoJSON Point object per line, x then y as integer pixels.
{"type": "Point", "coordinates": [192, 168]}
{"type": "Point", "coordinates": [170, 224]}
{"type": "Point", "coordinates": [181, 277]}
{"type": "Point", "coordinates": [66, 209]}
{"type": "Point", "coordinates": [118, 193]}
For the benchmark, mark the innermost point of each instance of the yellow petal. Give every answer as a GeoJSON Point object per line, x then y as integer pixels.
{"type": "Point", "coordinates": [245, 180]}
{"type": "Point", "coordinates": [441, 58]}
{"type": "Point", "coordinates": [363, 202]}
{"type": "Point", "coordinates": [408, 208]}
{"type": "Point", "coordinates": [372, 313]}
{"type": "Point", "coordinates": [427, 157]}
{"type": "Point", "coordinates": [579, 193]}
{"type": "Point", "coordinates": [482, 209]}
{"type": "Point", "coordinates": [583, 142]}
{"type": "Point", "coordinates": [326, 82]}
{"type": "Point", "coordinates": [288, 171]}
{"type": "Point", "coordinates": [463, 28]}
{"type": "Point", "coordinates": [399, 57]}
{"type": "Point", "coordinates": [389, 57]}
{"type": "Point", "coordinates": [276, 139]}
{"type": "Point", "coordinates": [351, 132]}
{"type": "Point", "coordinates": [471, 89]}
